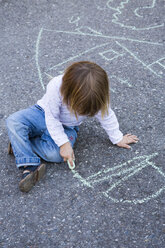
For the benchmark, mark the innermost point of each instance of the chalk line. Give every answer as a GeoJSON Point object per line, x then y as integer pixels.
{"type": "Point", "coordinates": [104, 36]}
{"type": "Point", "coordinates": [122, 81]}
{"type": "Point", "coordinates": [145, 7]}
{"type": "Point", "coordinates": [90, 29]}
{"type": "Point", "coordinates": [157, 62]}
{"type": "Point", "coordinates": [137, 59]}
{"type": "Point", "coordinates": [37, 58]}
{"type": "Point", "coordinates": [136, 201]}
{"type": "Point", "coordinates": [74, 20]}
{"type": "Point", "coordinates": [49, 76]}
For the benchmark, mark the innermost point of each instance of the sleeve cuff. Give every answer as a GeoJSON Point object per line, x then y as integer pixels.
{"type": "Point", "coordinates": [61, 142]}
{"type": "Point", "coordinates": [115, 141]}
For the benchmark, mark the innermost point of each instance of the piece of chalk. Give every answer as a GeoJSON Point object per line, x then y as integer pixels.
{"type": "Point", "coordinates": [71, 167]}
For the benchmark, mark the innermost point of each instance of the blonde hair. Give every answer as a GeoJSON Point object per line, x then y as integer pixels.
{"type": "Point", "coordinates": [85, 89]}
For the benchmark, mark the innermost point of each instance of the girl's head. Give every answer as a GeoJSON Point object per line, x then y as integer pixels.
{"type": "Point", "coordinates": [85, 89]}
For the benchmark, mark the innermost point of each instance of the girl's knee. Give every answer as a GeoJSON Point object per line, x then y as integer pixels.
{"type": "Point", "coordinates": [13, 123]}
{"type": "Point", "coordinates": [54, 156]}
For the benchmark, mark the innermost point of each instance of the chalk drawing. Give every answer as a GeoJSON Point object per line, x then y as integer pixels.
{"type": "Point", "coordinates": [110, 54]}
{"type": "Point", "coordinates": [137, 59]}
{"type": "Point", "coordinates": [119, 11]}
{"type": "Point", "coordinates": [123, 171]}
{"type": "Point", "coordinates": [74, 20]}
{"type": "Point", "coordinates": [78, 55]}
{"type": "Point", "coordinates": [122, 81]}
{"type": "Point", "coordinates": [126, 49]}
{"type": "Point", "coordinates": [104, 36]}
{"type": "Point", "coordinates": [145, 7]}
{"type": "Point", "coordinates": [87, 31]}
{"type": "Point", "coordinates": [160, 62]}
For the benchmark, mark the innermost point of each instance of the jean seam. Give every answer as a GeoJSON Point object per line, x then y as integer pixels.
{"type": "Point", "coordinates": [39, 108]}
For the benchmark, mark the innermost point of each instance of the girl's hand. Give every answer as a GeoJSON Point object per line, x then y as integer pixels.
{"type": "Point", "coordinates": [67, 153]}
{"type": "Point", "coordinates": [127, 139]}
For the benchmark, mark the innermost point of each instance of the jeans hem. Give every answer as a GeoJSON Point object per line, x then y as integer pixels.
{"type": "Point", "coordinates": [21, 165]}
{"type": "Point", "coordinates": [27, 161]}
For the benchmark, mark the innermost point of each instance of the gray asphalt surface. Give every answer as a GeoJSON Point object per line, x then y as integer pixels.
{"type": "Point", "coordinates": [116, 197]}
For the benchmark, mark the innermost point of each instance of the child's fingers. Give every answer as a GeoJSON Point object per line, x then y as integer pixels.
{"type": "Point", "coordinates": [126, 146]}
{"type": "Point", "coordinates": [132, 140]}
{"type": "Point", "coordinates": [129, 135]}
{"type": "Point", "coordinates": [135, 137]}
{"type": "Point", "coordinates": [73, 156]}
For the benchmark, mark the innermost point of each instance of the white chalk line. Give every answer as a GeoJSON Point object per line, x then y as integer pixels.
{"type": "Point", "coordinates": [145, 7]}
{"type": "Point", "coordinates": [89, 29]}
{"type": "Point", "coordinates": [49, 76]}
{"type": "Point", "coordinates": [136, 201]}
{"type": "Point", "coordinates": [37, 58]}
{"type": "Point", "coordinates": [74, 20]}
{"type": "Point", "coordinates": [122, 81]}
{"type": "Point", "coordinates": [157, 62]}
{"type": "Point", "coordinates": [104, 36]}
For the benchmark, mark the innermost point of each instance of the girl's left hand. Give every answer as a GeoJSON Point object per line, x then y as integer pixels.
{"type": "Point", "coordinates": [127, 139]}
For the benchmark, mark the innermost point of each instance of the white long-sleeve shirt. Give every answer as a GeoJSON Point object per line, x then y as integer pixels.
{"type": "Point", "coordinates": [57, 114]}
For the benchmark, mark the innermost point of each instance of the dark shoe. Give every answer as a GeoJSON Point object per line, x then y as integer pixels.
{"type": "Point", "coordinates": [10, 150]}
{"type": "Point", "coordinates": [30, 178]}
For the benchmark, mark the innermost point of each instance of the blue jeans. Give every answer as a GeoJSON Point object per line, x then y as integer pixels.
{"type": "Point", "coordinates": [30, 138]}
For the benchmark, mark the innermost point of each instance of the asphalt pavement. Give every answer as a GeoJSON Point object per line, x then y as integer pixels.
{"type": "Point", "coordinates": [115, 198]}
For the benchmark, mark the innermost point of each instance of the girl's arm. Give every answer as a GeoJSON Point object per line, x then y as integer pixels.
{"type": "Point", "coordinates": [52, 114]}
{"type": "Point", "coordinates": [111, 126]}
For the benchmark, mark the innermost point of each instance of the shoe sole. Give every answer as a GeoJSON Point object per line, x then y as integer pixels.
{"type": "Point", "coordinates": [30, 180]}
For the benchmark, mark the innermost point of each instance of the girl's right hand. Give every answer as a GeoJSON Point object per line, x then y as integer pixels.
{"type": "Point", "coordinates": [67, 152]}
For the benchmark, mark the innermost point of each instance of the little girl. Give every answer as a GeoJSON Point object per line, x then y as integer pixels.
{"type": "Point", "coordinates": [48, 130]}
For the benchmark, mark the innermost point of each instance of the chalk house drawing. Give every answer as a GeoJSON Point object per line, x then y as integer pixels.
{"type": "Point", "coordinates": [104, 50]}
{"type": "Point", "coordinates": [124, 172]}
{"type": "Point", "coordinates": [110, 54]}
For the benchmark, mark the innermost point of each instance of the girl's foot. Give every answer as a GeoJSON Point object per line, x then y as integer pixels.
{"type": "Point", "coordinates": [31, 175]}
